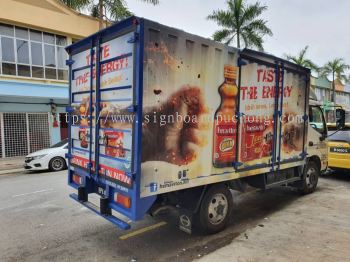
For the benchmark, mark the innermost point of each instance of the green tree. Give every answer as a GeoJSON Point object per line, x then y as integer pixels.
{"type": "Point", "coordinates": [336, 68]}
{"type": "Point", "coordinates": [241, 22]}
{"type": "Point", "coordinates": [110, 10]}
{"type": "Point", "coordinates": [300, 59]}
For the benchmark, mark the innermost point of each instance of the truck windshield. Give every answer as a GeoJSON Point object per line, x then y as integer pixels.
{"type": "Point", "coordinates": [316, 119]}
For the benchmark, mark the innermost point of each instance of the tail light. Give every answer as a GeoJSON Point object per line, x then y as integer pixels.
{"type": "Point", "coordinates": [122, 200]}
{"type": "Point", "coordinates": [77, 179]}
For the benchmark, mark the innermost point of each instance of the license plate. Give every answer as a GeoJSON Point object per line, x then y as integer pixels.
{"type": "Point", "coordinates": [340, 150]}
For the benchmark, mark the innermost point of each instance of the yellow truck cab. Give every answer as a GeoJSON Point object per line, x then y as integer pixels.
{"type": "Point", "coordinates": [339, 147]}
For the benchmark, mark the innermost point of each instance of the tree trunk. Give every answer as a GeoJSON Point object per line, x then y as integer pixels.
{"type": "Point", "coordinates": [333, 87]}
{"type": "Point", "coordinates": [100, 13]}
{"type": "Point", "coordinates": [238, 40]}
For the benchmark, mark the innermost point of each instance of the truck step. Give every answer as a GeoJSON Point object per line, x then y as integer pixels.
{"type": "Point", "coordinates": [284, 182]}
{"type": "Point", "coordinates": [118, 222]}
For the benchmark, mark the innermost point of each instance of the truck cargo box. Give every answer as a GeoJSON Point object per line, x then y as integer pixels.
{"type": "Point", "coordinates": [160, 110]}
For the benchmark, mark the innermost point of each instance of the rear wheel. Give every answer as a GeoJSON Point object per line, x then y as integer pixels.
{"type": "Point", "coordinates": [216, 208]}
{"type": "Point", "coordinates": [57, 164]}
{"type": "Point", "coordinates": [310, 178]}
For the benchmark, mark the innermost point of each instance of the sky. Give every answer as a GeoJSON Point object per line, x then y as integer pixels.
{"type": "Point", "coordinates": [323, 25]}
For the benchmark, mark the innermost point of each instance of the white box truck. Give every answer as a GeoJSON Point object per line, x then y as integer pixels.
{"type": "Point", "coordinates": [162, 118]}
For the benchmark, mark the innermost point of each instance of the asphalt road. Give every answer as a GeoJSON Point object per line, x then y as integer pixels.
{"type": "Point", "coordinates": [39, 222]}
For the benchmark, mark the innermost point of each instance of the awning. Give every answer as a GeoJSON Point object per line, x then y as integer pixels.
{"type": "Point", "coordinates": [14, 91]}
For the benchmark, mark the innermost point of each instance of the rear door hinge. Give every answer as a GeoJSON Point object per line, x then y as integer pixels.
{"type": "Point", "coordinates": [134, 38]}
{"type": "Point", "coordinates": [69, 62]}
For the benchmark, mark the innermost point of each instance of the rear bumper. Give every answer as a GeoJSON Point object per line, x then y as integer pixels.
{"type": "Point", "coordinates": [118, 222]}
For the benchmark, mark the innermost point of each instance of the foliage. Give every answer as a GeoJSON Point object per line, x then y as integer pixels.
{"type": "Point", "coordinates": [300, 59]}
{"type": "Point", "coordinates": [112, 10]}
{"type": "Point", "coordinates": [241, 22]}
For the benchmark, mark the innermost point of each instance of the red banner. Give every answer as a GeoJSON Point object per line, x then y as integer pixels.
{"type": "Point", "coordinates": [115, 174]}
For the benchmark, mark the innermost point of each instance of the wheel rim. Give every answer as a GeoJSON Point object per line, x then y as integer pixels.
{"type": "Point", "coordinates": [57, 164]}
{"type": "Point", "coordinates": [217, 209]}
{"type": "Point", "coordinates": [311, 177]}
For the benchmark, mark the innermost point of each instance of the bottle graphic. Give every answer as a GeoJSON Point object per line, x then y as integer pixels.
{"type": "Point", "coordinates": [224, 146]}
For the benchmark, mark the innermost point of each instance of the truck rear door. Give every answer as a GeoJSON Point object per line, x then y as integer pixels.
{"type": "Point", "coordinates": [104, 128]}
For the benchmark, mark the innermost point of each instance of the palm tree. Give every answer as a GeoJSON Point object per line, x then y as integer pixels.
{"type": "Point", "coordinates": [336, 68]}
{"type": "Point", "coordinates": [300, 59]}
{"type": "Point", "coordinates": [241, 22]}
{"type": "Point", "coordinates": [110, 10]}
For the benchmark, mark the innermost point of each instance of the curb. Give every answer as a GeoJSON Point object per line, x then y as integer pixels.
{"type": "Point", "coordinates": [10, 171]}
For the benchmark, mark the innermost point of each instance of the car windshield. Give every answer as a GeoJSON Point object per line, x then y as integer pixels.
{"type": "Point", "coordinates": [342, 135]}
{"type": "Point", "coordinates": [59, 144]}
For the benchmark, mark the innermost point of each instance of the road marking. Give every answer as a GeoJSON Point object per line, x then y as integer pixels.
{"type": "Point", "coordinates": [142, 230]}
{"type": "Point", "coordinates": [35, 192]}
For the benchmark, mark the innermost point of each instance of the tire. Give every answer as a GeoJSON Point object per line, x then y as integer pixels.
{"type": "Point", "coordinates": [216, 209]}
{"type": "Point", "coordinates": [57, 164]}
{"type": "Point", "coordinates": [310, 178]}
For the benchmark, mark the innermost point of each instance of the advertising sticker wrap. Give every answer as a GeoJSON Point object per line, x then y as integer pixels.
{"type": "Point", "coordinates": [191, 106]}
{"type": "Point", "coordinates": [204, 117]}
{"type": "Point", "coordinates": [115, 121]}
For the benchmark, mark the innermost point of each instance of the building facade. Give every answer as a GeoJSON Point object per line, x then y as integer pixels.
{"type": "Point", "coordinates": [322, 87]}
{"type": "Point", "coordinates": [33, 73]}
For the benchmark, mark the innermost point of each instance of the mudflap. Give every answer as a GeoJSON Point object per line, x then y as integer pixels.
{"type": "Point", "coordinates": [186, 220]}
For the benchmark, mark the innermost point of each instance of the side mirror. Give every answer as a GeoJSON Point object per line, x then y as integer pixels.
{"type": "Point", "coordinates": [340, 118]}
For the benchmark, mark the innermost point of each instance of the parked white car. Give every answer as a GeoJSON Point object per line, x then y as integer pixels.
{"type": "Point", "coordinates": [52, 158]}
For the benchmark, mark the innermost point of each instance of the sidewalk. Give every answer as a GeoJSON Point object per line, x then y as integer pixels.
{"type": "Point", "coordinates": [11, 165]}
{"type": "Point", "coordinates": [311, 228]}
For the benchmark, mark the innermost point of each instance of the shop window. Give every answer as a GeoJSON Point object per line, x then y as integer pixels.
{"type": "Point", "coordinates": [61, 57]}
{"type": "Point", "coordinates": [37, 72]}
{"type": "Point", "coordinates": [32, 53]}
{"type": "Point", "coordinates": [49, 38]}
{"type": "Point", "coordinates": [50, 73]}
{"type": "Point", "coordinates": [22, 52]}
{"type": "Point", "coordinates": [8, 69]}
{"type": "Point", "coordinates": [49, 55]}
{"type": "Point", "coordinates": [37, 53]}
{"type": "Point", "coordinates": [61, 40]}
{"type": "Point", "coordinates": [8, 50]}
{"type": "Point", "coordinates": [6, 30]}
{"type": "Point", "coordinates": [36, 36]}
{"type": "Point", "coordinates": [62, 74]}
{"type": "Point", "coordinates": [23, 70]}
{"type": "Point", "coordinates": [21, 33]}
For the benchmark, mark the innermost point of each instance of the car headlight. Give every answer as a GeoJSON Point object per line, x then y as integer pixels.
{"type": "Point", "coordinates": [38, 157]}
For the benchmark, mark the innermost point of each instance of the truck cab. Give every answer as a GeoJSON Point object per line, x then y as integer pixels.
{"type": "Point", "coordinates": [317, 134]}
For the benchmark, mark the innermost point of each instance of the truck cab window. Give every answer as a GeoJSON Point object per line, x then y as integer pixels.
{"type": "Point", "coordinates": [316, 119]}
